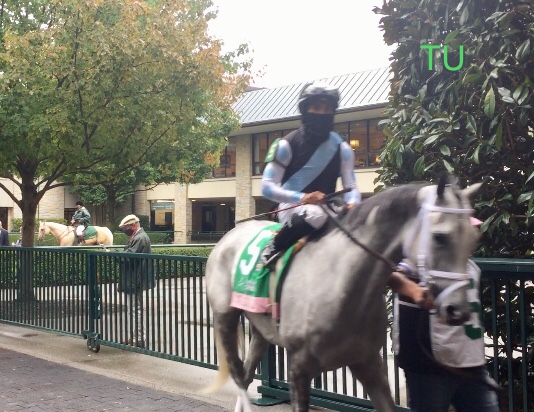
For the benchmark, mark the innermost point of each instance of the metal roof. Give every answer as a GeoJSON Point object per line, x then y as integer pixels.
{"type": "Point", "coordinates": [358, 90]}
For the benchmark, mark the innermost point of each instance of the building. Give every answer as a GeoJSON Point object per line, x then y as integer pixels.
{"type": "Point", "coordinates": [233, 192]}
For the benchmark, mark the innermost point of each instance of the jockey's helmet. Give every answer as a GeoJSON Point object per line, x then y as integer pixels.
{"type": "Point", "coordinates": [312, 91]}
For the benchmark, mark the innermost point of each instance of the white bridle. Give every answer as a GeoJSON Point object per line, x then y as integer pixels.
{"type": "Point", "coordinates": [424, 255]}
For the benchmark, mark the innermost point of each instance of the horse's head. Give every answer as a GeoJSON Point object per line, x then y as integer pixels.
{"type": "Point", "coordinates": [43, 230]}
{"type": "Point", "coordinates": [440, 244]}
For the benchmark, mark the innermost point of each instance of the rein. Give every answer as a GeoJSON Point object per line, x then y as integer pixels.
{"type": "Point", "coordinates": [61, 235]}
{"type": "Point", "coordinates": [372, 252]}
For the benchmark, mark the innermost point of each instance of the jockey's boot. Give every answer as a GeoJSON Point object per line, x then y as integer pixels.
{"type": "Point", "coordinates": [80, 239]}
{"type": "Point", "coordinates": [293, 230]}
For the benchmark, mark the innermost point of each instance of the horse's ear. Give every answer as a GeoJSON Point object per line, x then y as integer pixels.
{"type": "Point", "coordinates": [471, 191]}
{"type": "Point", "coordinates": [444, 180]}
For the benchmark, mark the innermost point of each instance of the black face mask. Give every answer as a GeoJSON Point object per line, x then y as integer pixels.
{"type": "Point", "coordinates": [317, 126]}
{"type": "Point", "coordinates": [128, 232]}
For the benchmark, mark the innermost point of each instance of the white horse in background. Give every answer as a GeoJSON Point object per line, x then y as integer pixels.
{"type": "Point", "coordinates": [65, 235]}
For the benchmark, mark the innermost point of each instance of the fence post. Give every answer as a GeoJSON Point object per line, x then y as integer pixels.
{"type": "Point", "coordinates": [93, 304]}
{"type": "Point", "coordinates": [268, 373]}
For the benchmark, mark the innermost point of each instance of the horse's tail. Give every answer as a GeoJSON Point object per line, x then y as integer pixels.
{"type": "Point", "coordinates": [224, 369]}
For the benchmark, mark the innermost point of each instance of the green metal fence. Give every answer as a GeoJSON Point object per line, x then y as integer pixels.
{"type": "Point", "coordinates": [76, 291]}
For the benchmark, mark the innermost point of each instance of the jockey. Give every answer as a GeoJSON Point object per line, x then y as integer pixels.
{"type": "Point", "coordinates": [80, 220]}
{"type": "Point", "coordinates": [304, 165]}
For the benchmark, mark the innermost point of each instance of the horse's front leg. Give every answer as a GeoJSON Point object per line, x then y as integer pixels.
{"type": "Point", "coordinates": [374, 379]}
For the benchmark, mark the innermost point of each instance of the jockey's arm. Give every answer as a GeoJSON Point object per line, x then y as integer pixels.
{"type": "Point", "coordinates": [348, 177]}
{"type": "Point", "coordinates": [271, 182]}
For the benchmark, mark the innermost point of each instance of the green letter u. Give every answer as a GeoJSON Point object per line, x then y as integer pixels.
{"type": "Point", "coordinates": [446, 60]}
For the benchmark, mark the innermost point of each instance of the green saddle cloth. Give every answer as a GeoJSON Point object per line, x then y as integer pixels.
{"type": "Point", "coordinates": [89, 232]}
{"type": "Point", "coordinates": [252, 288]}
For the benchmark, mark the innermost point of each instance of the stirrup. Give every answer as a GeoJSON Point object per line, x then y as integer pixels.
{"type": "Point", "coordinates": [269, 255]}
{"type": "Point", "coordinates": [270, 261]}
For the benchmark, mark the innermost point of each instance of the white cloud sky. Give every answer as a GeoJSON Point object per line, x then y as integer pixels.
{"type": "Point", "coordinates": [294, 41]}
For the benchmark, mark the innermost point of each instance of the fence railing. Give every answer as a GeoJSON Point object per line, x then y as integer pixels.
{"type": "Point", "coordinates": [79, 292]}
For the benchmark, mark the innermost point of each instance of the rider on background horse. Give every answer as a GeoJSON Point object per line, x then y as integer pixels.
{"type": "Point", "coordinates": [80, 220]}
{"type": "Point", "coordinates": [303, 166]}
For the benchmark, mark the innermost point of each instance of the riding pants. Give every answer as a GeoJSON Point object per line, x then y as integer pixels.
{"type": "Point", "coordinates": [79, 230]}
{"type": "Point", "coordinates": [315, 216]}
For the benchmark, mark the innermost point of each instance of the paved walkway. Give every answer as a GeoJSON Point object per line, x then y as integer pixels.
{"type": "Point", "coordinates": [32, 384]}
{"type": "Point", "coordinates": [42, 370]}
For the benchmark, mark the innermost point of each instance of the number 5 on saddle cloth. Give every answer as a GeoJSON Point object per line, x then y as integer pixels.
{"type": "Point", "coordinates": [257, 289]}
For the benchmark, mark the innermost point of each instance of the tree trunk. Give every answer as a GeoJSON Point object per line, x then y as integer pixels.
{"type": "Point", "coordinates": [111, 203]}
{"type": "Point", "coordinates": [30, 200]}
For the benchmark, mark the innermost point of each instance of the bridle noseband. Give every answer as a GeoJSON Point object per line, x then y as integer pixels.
{"type": "Point", "coordinates": [424, 255]}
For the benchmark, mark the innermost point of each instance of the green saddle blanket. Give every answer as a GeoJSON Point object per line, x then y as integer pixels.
{"type": "Point", "coordinates": [89, 232]}
{"type": "Point", "coordinates": [255, 287]}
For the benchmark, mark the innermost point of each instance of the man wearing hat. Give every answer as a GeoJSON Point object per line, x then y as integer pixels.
{"type": "Point", "coordinates": [80, 220]}
{"type": "Point", "coordinates": [136, 275]}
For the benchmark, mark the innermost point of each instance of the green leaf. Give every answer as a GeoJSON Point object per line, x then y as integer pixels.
{"type": "Point", "coordinates": [471, 125]}
{"type": "Point", "coordinates": [471, 78]}
{"type": "Point", "coordinates": [484, 227]}
{"type": "Point", "coordinates": [530, 177]}
{"type": "Point", "coordinates": [448, 166]}
{"type": "Point", "coordinates": [489, 103]}
{"type": "Point", "coordinates": [476, 154]}
{"type": "Point", "coordinates": [464, 16]}
{"type": "Point", "coordinates": [503, 91]}
{"type": "Point", "coordinates": [517, 92]}
{"type": "Point", "coordinates": [431, 139]}
{"type": "Point", "coordinates": [445, 151]}
{"type": "Point", "coordinates": [451, 36]}
{"type": "Point", "coordinates": [418, 167]}
{"type": "Point", "coordinates": [524, 196]}
{"type": "Point", "coordinates": [523, 51]}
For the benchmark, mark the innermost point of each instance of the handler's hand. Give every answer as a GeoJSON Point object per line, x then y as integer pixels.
{"type": "Point", "coordinates": [313, 198]}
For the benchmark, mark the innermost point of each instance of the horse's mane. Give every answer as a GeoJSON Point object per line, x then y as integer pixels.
{"type": "Point", "coordinates": [395, 204]}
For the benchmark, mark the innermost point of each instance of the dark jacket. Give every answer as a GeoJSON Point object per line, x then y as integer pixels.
{"type": "Point", "coordinates": [136, 273]}
{"type": "Point", "coordinates": [4, 237]}
{"type": "Point", "coordinates": [82, 216]}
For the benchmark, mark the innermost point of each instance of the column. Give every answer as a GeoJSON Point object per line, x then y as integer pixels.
{"type": "Point", "coordinates": [245, 205]}
{"type": "Point", "coordinates": [183, 214]}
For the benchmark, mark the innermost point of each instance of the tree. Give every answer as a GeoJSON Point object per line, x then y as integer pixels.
{"type": "Point", "coordinates": [86, 84]}
{"type": "Point", "coordinates": [171, 164]}
{"type": "Point", "coordinates": [471, 113]}
{"type": "Point", "coordinates": [104, 86]}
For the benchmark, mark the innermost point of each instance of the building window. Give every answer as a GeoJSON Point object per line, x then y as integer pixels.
{"type": "Point", "coordinates": [367, 141]}
{"type": "Point", "coordinates": [364, 136]}
{"type": "Point", "coordinates": [227, 161]}
{"type": "Point", "coordinates": [260, 145]}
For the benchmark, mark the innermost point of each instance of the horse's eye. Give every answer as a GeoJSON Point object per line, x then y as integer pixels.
{"type": "Point", "coordinates": [441, 239]}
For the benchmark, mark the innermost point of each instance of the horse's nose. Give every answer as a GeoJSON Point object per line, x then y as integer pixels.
{"type": "Point", "coordinates": [457, 315]}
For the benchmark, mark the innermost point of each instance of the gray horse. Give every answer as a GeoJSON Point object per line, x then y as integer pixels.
{"type": "Point", "coordinates": [333, 312]}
